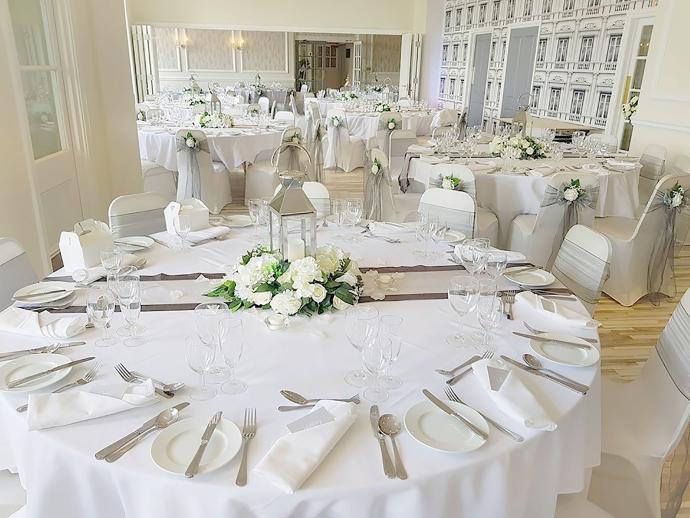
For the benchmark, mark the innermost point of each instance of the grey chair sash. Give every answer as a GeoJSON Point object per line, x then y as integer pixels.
{"type": "Point", "coordinates": [456, 219]}
{"type": "Point", "coordinates": [377, 192]}
{"type": "Point", "coordinates": [403, 179]}
{"type": "Point", "coordinates": [316, 147]}
{"type": "Point", "coordinates": [652, 167]}
{"type": "Point", "coordinates": [137, 223]}
{"type": "Point", "coordinates": [189, 182]}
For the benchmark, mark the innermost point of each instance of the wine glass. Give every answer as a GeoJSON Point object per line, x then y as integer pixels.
{"type": "Point", "coordinates": [200, 356]}
{"type": "Point", "coordinates": [390, 326]}
{"type": "Point", "coordinates": [463, 291]}
{"type": "Point", "coordinates": [422, 233]}
{"type": "Point", "coordinates": [210, 320]}
{"type": "Point", "coordinates": [100, 306]}
{"type": "Point", "coordinates": [128, 288]}
{"type": "Point", "coordinates": [360, 323]}
{"type": "Point", "coordinates": [353, 214]}
{"type": "Point", "coordinates": [472, 254]}
{"type": "Point", "coordinates": [183, 226]}
{"type": "Point", "coordinates": [488, 310]}
{"type": "Point", "coordinates": [438, 231]}
{"type": "Point", "coordinates": [496, 262]}
{"type": "Point", "coordinates": [231, 347]}
{"type": "Point", "coordinates": [374, 360]}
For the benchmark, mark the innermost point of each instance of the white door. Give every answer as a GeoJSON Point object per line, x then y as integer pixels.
{"type": "Point", "coordinates": [410, 47]}
{"type": "Point", "coordinates": [356, 64]}
{"type": "Point", "coordinates": [40, 82]}
{"type": "Point", "coordinates": [480, 67]}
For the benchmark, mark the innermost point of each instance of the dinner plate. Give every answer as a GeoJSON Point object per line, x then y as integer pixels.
{"type": "Point", "coordinates": [564, 354]}
{"type": "Point", "coordinates": [452, 237]}
{"type": "Point", "coordinates": [134, 243]}
{"type": "Point", "coordinates": [238, 221]}
{"type": "Point", "coordinates": [41, 287]}
{"type": "Point", "coordinates": [31, 364]}
{"type": "Point", "coordinates": [432, 427]}
{"type": "Point", "coordinates": [174, 448]}
{"type": "Point", "coordinates": [530, 278]}
{"type": "Point", "coordinates": [56, 304]}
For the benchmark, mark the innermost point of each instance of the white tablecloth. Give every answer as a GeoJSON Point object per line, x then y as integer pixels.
{"type": "Point", "coordinates": [367, 125]}
{"type": "Point", "coordinates": [231, 146]}
{"type": "Point", "coordinates": [501, 479]}
{"type": "Point", "coordinates": [509, 195]}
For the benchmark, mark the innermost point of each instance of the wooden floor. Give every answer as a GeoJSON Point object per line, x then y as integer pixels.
{"type": "Point", "coordinates": [627, 334]}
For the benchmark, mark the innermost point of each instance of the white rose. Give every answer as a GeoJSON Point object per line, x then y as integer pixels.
{"type": "Point", "coordinates": [676, 200]}
{"type": "Point", "coordinates": [529, 150]}
{"type": "Point", "coordinates": [140, 116]}
{"type": "Point", "coordinates": [339, 303]}
{"type": "Point", "coordinates": [336, 122]}
{"type": "Point", "coordinates": [318, 293]}
{"type": "Point", "coordinates": [295, 139]}
{"type": "Point", "coordinates": [190, 142]}
{"type": "Point", "coordinates": [286, 303]}
{"type": "Point", "coordinates": [348, 278]}
{"type": "Point", "coordinates": [570, 194]}
{"type": "Point", "coordinates": [375, 169]}
{"type": "Point", "coordinates": [261, 298]}
{"type": "Point", "coordinates": [447, 184]}
{"type": "Point", "coordinates": [391, 125]}
{"type": "Point", "coordinates": [379, 108]}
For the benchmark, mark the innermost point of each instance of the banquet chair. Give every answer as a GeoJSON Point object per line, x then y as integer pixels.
{"type": "Point", "coordinates": [383, 133]}
{"type": "Point", "coordinates": [264, 104]}
{"type": "Point", "coordinates": [399, 142]}
{"type": "Point", "coordinates": [158, 179]}
{"type": "Point", "coordinates": [443, 118]}
{"type": "Point", "coordinates": [582, 264]}
{"type": "Point", "coordinates": [319, 197]}
{"type": "Point", "coordinates": [633, 244]}
{"type": "Point", "coordinates": [607, 139]}
{"type": "Point", "coordinates": [653, 162]}
{"type": "Point", "coordinates": [15, 270]}
{"type": "Point", "coordinates": [214, 178]}
{"type": "Point", "coordinates": [682, 164]}
{"type": "Point", "coordinates": [343, 151]}
{"type": "Point", "coordinates": [536, 235]}
{"type": "Point", "coordinates": [297, 108]}
{"type": "Point", "coordinates": [137, 214]}
{"type": "Point", "coordinates": [285, 116]}
{"type": "Point", "coordinates": [313, 114]}
{"type": "Point", "coordinates": [645, 466]}
{"type": "Point", "coordinates": [457, 210]}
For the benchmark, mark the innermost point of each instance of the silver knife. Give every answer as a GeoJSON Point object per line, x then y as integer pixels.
{"type": "Point", "coordinates": [111, 448]}
{"type": "Point", "coordinates": [193, 467]}
{"type": "Point", "coordinates": [566, 382]}
{"type": "Point", "coordinates": [522, 269]}
{"type": "Point", "coordinates": [23, 381]}
{"type": "Point", "coordinates": [555, 340]}
{"type": "Point", "coordinates": [388, 467]}
{"type": "Point", "coordinates": [436, 401]}
{"type": "Point", "coordinates": [16, 354]}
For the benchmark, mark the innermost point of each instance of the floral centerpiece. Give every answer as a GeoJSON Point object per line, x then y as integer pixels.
{"type": "Point", "coordinates": [376, 166]}
{"type": "Point", "coordinates": [141, 115]}
{"type": "Point", "coordinates": [676, 197]}
{"type": "Point", "coordinates": [451, 183]}
{"type": "Point", "coordinates": [336, 121]}
{"type": "Point", "coordinates": [307, 286]}
{"type": "Point", "coordinates": [253, 109]}
{"type": "Point", "coordinates": [524, 148]}
{"type": "Point", "coordinates": [348, 96]}
{"type": "Point", "coordinates": [214, 120]}
{"type": "Point", "coordinates": [392, 124]}
{"type": "Point", "coordinates": [382, 107]}
{"type": "Point", "coordinates": [192, 97]}
{"type": "Point", "coordinates": [630, 108]}
{"type": "Point", "coordinates": [378, 89]}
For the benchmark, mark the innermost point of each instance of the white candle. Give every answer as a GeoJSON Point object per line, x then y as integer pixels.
{"type": "Point", "coordinates": [276, 322]}
{"type": "Point", "coordinates": [295, 249]}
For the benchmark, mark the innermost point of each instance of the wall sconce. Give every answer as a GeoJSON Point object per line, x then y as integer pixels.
{"type": "Point", "coordinates": [181, 42]}
{"type": "Point", "coordinates": [238, 43]}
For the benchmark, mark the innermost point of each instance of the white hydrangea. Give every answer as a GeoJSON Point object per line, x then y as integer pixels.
{"type": "Point", "coordinates": [190, 142]}
{"type": "Point", "coordinates": [676, 200]}
{"type": "Point", "coordinates": [571, 194]}
{"type": "Point", "coordinates": [496, 145]}
{"type": "Point", "coordinates": [302, 271]}
{"type": "Point", "coordinates": [328, 258]}
{"type": "Point", "coordinates": [286, 303]}
{"type": "Point", "coordinates": [447, 184]}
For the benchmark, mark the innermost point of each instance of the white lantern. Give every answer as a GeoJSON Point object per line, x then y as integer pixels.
{"type": "Point", "coordinates": [292, 221]}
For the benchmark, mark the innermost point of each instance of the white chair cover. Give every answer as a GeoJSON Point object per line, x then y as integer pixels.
{"type": "Point", "coordinates": [378, 193]}
{"type": "Point", "coordinates": [264, 104]}
{"type": "Point", "coordinates": [443, 118]}
{"type": "Point", "coordinates": [199, 177]}
{"type": "Point", "coordinates": [653, 162]}
{"type": "Point", "coordinates": [319, 197]}
{"type": "Point", "coordinates": [383, 133]}
{"type": "Point", "coordinates": [15, 270]}
{"type": "Point", "coordinates": [344, 152]}
{"type": "Point", "coordinates": [461, 172]}
{"type": "Point", "coordinates": [137, 214]}
{"type": "Point", "coordinates": [313, 115]}
{"type": "Point", "coordinates": [453, 208]}
{"type": "Point", "coordinates": [285, 116]}
{"type": "Point", "coordinates": [291, 156]}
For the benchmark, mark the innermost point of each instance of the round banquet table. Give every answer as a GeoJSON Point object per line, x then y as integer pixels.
{"type": "Point", "coordinates": [231, 146]}
{"type": "Point", "coordinates": [502, 478]}
{"type": "Point", "coordinates": [508, 194]}
{"type": "Point", "coordinates": [366, 125]}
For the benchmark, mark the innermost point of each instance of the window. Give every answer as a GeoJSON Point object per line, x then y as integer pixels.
{"type": "Point", "coordinates": [568, 6]}
{"type": "Point", "coordinates": [470, 14]}
{"type": "Point", "coordinates": [541, 51]}
{"type": "Point", "coordinates": [577, 104]}
{"type": "Point", "coordinates": [498, 91]}
{"type": "Point", "coordinates": [444, 54]}
{"type": "Point", "coordinates": [547, 7]}
{"type": "Point", "coordinates": [452, 87]}
{"type": "Point", "coordinates": [510, 10]}
{"type": "Point", "coordinates": [462, 88]}
{"type": "Point", "coordinates": [442, 86]}
{"type": "Point", "coordinates": [496, 13]}
{"type": "Point", "coordinates": [503, 50]}
{"type": "Point", "coordinates": [527, 10]}
{"type": "Point", "coordinates": [330, 60]}
{"type": "Point", "coordinates": [447, 22]}
{"type": "Point", "coordinates": [534, 98]}
{"type": "Point", "coordinates": [603, 105]}
{"type": "Point", "coordinates": [554, 102]}
{"type": "Point", "coordinates": [613, 48]}
{"type": "Point", "coordinates": [482, 13]}
{"type": "Point", "coordinates": [464, 52]}
{"type": "Point", "coordinates": [622, 5]}
{"type": "Point", "coordinates": [561, 52]}
{"type": "Point", "coordinates": [593, 6]}
{"type": "Point", "coordinates": [492, 54]}
{"type": "Point", "coordinates": [488, 91]}
{"type": "Point", "coordinates": [458, 17]}
{"type": "Point", "coordinates": [456, 52]}
{"type": "Point", "coordinates": [586, 48]}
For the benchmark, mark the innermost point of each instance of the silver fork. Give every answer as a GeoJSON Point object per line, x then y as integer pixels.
{"type": "Point", "coordinates": [450, 394]}
{"type": "Point", "coordinates": [539, 332]}
{"type": "Point", "coordinates": [486, 356]}
{"type": "Point", "coordinates": [368, 233]}
{"type": "Point", "coordinates": [509, 298]}
{"type": "Point", "coordinates": [248, 433]}
{"type": "Point", "coordinates": [86, 378]}
{"type": "Point", "coordinates": [126, 375]}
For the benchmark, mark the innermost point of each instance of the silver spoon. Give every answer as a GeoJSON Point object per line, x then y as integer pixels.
{"type": "Point", "coordinates": [164, 420]}
{"type": "Point", "coordinates": [301, 400]}
{"type": "Point", "coordinates": [390, 425]}
{"type": "Point", "coordinates": [534, 362]}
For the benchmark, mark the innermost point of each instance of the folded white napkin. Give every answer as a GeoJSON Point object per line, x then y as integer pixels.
{"type": "Point", "coordinates": [383, 227]}
{"type": "Point", "coordinates": [434, 159]}
{"type": "Point", "coordinates": [31, 323]}
{"type": "Point", "coordinates": [422, 150]}
{"type": "Point", "coordinates": [49, 410]}
{"type": "Point", "coordinates": [513, 397]}
{"type": "Point", "coordinates": [481, 167]}
{"type": "Point", "coordinates": [193, 237]}
{"type": "Point", "coordinates": [511, 256]}
{"type": "Point", "coordinates": [295, 456]}
{"type": "Point", "coordinates": [557, 311]}
{"type": "Point", "coordinates": [542, 170]}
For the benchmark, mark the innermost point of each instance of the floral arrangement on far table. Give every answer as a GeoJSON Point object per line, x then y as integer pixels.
{"type": "Point", "coordinates": [630, 108]}
{"type": "Point", "coordinates": [193, 98]}
{"type": "Point", "coordinates": [382, 107]}
{"type": "Point", "coordinates": [214, 120]}
{"type": "Point", "coordinates": [524, 148]}
{"type": "Point", "coordinates": [253, 109]}
{"type": "Point", "coordinates": [676, 197]}
{"type": "Point", "coordinates": [307, 286]}
{"type": "Point", "coordinates": [348, 96]}
{"type": "Point", "coordinates": [141, 115]}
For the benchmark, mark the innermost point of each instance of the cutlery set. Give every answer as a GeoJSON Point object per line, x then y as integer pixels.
{"type": "Point", "coordinates": [302, 403]}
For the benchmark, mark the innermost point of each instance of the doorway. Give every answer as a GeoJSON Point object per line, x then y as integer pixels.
{"type": "Point", "coordinates": [480, 67]}
{"type": "Point", "coordinates": [522, 48]}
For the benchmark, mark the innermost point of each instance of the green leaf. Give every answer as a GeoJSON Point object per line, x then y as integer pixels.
{"type": "Point", "coordinates": [263, 287]}
{"type": "Point", "coordinates": [235, 305]}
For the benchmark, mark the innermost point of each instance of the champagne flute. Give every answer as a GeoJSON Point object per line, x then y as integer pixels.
{"type": "Point", "coordinates": [463, 291]}
{"type": "Point", "coordinates": [128, 289]}
{"type": "Point", "coordinates": [100, 306]}
{"type": "Point", "coordinates": [361, 322]}
{"type": "Point", "coordinates": [231, 347]}
{"type": "Point", "coordinates": [488, 311]}
{"type": "Point", "coordinates": [200, 356]}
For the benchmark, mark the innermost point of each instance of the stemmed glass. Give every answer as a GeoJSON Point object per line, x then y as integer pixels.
{"type": "Point", "coordinates": [254, 206]}
{"type": "Point", "coordinates": [100, 306]}
{"type": "Point", "coordinates": [231, 347]}
{"type": "Point", "coordinates": [390, 327]}
{"type": "Point", "coordinates": [423, 233]}
{"type": "Point", "coordinates": [374, 360]}
{"type": "Point", "coordinates": [361, 322]}
{"type": "Point", "coordinates": [128, 289]}
{"type": "Point", "coordinates": [473, 254]}
{"type": "Point", "coordinates": [438, 231]}
{"type": "Point", "coordinates": [210, 319]}
{"type": "Point", "coordinates": [463, 291]}
{"type": "Point", "coordinates": [200, 356]}
{"type": "Point", "coordinates": [337, 216]}
{"type": "Point", "coordinates": [183, 226]}
{"type": "Point", "coordinates": [488, 310]}
{"type": "Point", "coordinates": [111, 259]}
{"type": "Point", "coordinates": [352, 215]}
{"type": "Point", "coordinates": [578, 140]}
{"type": "Point", "coordinates": [496, 262]}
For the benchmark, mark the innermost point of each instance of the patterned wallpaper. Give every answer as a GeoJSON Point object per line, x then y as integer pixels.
{"type": "Point", "coordinates": [264, 51]}
{"type": "Point", "coordinates": [165, 47]}
{"type": "Point", "coordinates": [386, 53]}
{"type": "Point", "coordinates": [209, 49]}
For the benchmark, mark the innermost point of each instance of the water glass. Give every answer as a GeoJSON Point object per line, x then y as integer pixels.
{"type": "Point", "coordinates": [128, 290]}
{"type": "Point", "coordinates": [374, 360]}
{"type": "Point", "coordinates": [254, 207]}
{"type": "Point", "coordinates": [211, 324]}
{"type": "Point", "coordinates": [473, 254]}
{"type": "Point", "coordinates": [463, 291]}
{"type": "Point", "coordinates": [100, 306]}
{"type": "Point", "coordinates": [111, 259]}
{"type": "Point", "coordinates": [423, 233]}
{"type": "Point", "coordinates": [496, 262]}
{"type": "Point", "coordinates": [231, 347]}
{"type": "Point", "coordinates": [361, 322]}
{"type": "Point", "coordinates": [488, 311]}
{"type": "Point", "coordinates": [200, 356]}
{"type": "Point", "coordinates": [390, 326]}
{"type": "Point", "coordinates": [183, 226]}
